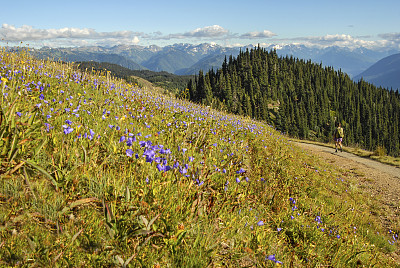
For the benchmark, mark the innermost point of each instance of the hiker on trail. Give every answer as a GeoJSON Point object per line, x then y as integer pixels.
{"type": "Point", "coordinates": [338, 137]}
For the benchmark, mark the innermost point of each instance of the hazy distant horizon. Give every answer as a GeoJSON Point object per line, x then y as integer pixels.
{"type": "Point", "coordinates": [74, 23]}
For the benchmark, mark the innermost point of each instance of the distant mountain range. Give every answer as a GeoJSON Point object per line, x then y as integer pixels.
{"type": "Point", "coordinates": [178, 58]}
{"type": "Point", "coordinates": [187, 59]}
{"type": "Point", "coordinates": [384, 73]}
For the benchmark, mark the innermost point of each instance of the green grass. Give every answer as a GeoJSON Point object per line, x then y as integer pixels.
{"type": "Point", "coordinates": [215, 190]}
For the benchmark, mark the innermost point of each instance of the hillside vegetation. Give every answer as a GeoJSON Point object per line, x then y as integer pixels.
{"type": "Point", "coordinates": [81, 54]}
{"type": "Point", "coordinates": [171, 82]}
{"type": "Point", "coordinates": [97, 172]}
{"type": "Point", "coordinates": [311, 99]}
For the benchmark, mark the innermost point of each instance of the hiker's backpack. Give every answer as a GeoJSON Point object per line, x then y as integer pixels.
{"type": "Point", "coordinates": [339, 132]}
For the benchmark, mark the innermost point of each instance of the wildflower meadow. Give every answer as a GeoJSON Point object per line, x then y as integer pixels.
{"type": "Point", "coordinates": [98, 172]}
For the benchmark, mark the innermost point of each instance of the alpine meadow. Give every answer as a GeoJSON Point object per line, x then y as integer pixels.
{"type": "Point", "coordinates": [98, 172]}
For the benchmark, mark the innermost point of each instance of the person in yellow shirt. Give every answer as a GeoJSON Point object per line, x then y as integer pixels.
{"type": "Point", "coordinates": [338, 137]}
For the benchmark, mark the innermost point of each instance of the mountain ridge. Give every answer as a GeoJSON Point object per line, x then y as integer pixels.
{"type": "Point", "coordinates": [384, 73]}
{"type": "Point", "coordinates": [184, 58]}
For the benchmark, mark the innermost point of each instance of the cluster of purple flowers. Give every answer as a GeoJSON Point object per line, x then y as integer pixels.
{"type": "Point", "coordinates": [156, 153]}
{"type": "Point", "coordinates": [67, 129]}
{"type": "Point", "coordinates": [394, 238]}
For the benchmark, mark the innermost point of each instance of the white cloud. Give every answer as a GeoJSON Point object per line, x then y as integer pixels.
{"type": "Point", "coordinates": [208, 32]}
{"type": "Point", "coordinates": [390, 36]}
{"type": "Point", "coordinates": [236, 45]}
{"type": "Point", "coordinates": [258, 35]}
{"type": "Point", "coordinates": [26, 33]}
{"type": "Point", "coordinates": [86, 36]}
{"type": "Point", "coordinates": [215, 32]}
{"type": "Point", "coordinates": [343, 40]}
{"type": "Point", "coordinates": [391, 40]}
{"type": "Point", "coordinates": [327, 40]}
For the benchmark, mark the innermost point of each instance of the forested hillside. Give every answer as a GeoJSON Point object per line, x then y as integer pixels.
{"type": "Point", "coordinates": [301, 98]}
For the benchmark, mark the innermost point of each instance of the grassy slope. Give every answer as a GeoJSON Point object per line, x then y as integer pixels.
{"type": "Point", "coordinates": [186, 186]}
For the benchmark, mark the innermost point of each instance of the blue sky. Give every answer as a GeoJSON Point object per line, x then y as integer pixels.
{"type": "Point", "coordinates": [351, 23]}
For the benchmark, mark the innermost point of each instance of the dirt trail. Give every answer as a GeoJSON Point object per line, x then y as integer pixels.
{"type": "Point", "coordinates": [383, 168]}
{"type": "Point", "coordinates": [380, 181]}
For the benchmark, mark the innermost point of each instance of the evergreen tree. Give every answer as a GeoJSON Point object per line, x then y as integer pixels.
{"type": "Point", "coordinates": [311, 98]}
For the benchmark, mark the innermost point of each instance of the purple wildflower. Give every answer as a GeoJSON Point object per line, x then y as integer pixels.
{"type": "Point", "coordinates": [163, 168]}
{"type": "Point", "coordinates": [142, 143]}
{"type": "Point", "coordinates": [149, 155]}
{"type": "Point", "coordinates": [241, 170]}
{"type": "Point", "coordinates": [163, 151]}
{"type": "Point", "coordinates": [129, 141]}
{"type": "Point", "coordinates": [226, 186]}
{"type": "Point", "coordinates": [272, 258]}
{"type": "Point", "coordinates": [129, 152]}
{"type": "Point", "coordinates": [67, 129]}
{"type": "Point", "coordinates": [47, 126]}
{"type": "Point", "coordinates": [176, 164]}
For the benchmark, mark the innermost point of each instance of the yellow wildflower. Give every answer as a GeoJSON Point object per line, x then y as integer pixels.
{"type": "Point", "coordinates": [4, 80]}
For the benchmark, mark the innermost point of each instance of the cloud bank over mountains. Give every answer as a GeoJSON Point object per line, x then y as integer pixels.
{"type": "Point", "coordinates": [344, 40]}
{"type": "Point", "coordinates": [67, 37]}
{"type": "Point", "coordinates": [64, 36]}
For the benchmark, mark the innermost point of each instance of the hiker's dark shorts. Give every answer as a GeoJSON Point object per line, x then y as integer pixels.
{"type": "Point", "coordinates": [338, 139]}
